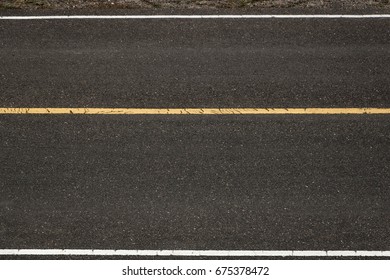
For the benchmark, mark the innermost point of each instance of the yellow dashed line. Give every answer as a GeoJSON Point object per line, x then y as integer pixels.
{"type": "Point", "coordinates": [197, 111]}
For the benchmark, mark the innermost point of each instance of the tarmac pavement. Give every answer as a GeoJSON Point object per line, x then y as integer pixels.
{"type": "Point", "coordinates": [189, 182]}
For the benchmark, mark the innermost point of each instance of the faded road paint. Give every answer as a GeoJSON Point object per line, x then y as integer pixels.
{"type": "Point", "coordinates": [197, 111]}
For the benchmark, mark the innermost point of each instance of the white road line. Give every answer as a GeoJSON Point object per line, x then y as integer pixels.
{"type": "Point", "coordinates": [193, 17]}
{"type": "Point", "coordinates": [196, 253]}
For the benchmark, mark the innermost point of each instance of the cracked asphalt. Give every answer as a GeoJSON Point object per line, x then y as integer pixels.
{"type": "Point", "coordinates": [195, 182]}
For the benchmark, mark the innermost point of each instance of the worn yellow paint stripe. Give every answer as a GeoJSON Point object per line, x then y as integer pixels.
{"type": "Point", "coordinates": [197, 111]}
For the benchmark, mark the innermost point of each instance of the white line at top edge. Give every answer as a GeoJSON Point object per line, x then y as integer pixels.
{"type": "Point", "coordinates": [191, 17]}
{"type": "Point", "coordinates": [192, 253]}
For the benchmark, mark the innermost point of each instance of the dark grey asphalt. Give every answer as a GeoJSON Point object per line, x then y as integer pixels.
{"type": "Point", "coordinates": [195, 63]}
{"type": "Point", "coordinates": [195, 182]}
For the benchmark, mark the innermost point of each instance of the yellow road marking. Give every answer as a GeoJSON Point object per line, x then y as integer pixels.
{"type": "Point", "coordinates": [197, 111]}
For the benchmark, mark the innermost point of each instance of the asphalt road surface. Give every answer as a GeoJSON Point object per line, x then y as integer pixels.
{"type": "Point", "coordinates": [195, 182]}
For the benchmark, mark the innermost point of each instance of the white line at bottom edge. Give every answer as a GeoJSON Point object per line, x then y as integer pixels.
{"type": "Point", "coordinates": [194, 253]}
